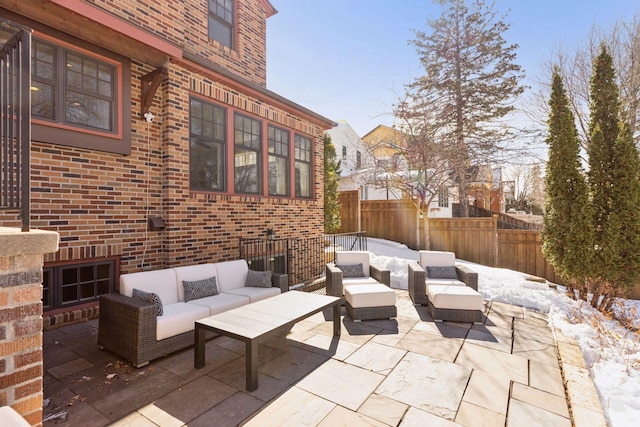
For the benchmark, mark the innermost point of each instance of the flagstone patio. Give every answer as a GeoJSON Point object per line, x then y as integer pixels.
{"type": "Point", "coordinates": [402, 372]}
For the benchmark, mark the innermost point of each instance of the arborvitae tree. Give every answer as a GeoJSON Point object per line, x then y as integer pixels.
{"type": "Point", "coordinates": [567, 236]}
{"type": "Point", "coordinates": [331, 173]}
{"type": "Point", "coordinates": [613, 180]}
{"type": "Point", "coordinates": [471, 81]}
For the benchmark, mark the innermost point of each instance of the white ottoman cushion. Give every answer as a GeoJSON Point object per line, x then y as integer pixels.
{"type": "Point", "coordinates": [454, 297]}
{"type": "Point", "coordinates": [373, 295]}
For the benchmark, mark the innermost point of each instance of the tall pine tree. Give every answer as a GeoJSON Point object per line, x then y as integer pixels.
{"type": "Point", "coordinates": [331, 173]}
{"type": "Point", "coordinates": [613, 179]}
{"type": "Point", "coordinates": [567, 235]}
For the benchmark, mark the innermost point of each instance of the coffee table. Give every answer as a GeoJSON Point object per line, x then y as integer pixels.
{"type": "Point", "coordinates": [255, 322]}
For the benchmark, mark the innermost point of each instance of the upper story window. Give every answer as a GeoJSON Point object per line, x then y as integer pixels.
{"type": "Point", "coordinates": [247, 141]}
{"type": "Point", "coordinates": [303, 166]}
{"type": "Point", "coordinates": [358, 160]}
{"type": "Point", "coordinates": [221, 22]}
{"type": "Point", "coordinates": [278, 147]}
{"type": "Point", "coordinates": [78, 97]}
{"type": "Point", "coordinates": [344, 153]}
{"type": "Point", "coordinates": [208, 138]}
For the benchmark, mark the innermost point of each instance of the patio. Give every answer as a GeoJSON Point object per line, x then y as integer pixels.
{"type": "Point", "coordinates": [407, 371]}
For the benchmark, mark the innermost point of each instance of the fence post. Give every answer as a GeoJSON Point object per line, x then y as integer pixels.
{"type": "Point", "coordinates": [495, 240]}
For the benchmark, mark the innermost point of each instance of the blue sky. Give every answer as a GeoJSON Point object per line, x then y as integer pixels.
{"type": "Point", "coordinates": [349, 59]}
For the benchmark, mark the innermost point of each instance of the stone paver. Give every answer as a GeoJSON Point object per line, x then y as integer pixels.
{"type": "Point", "coordinates": [488, 391]}
{"type": "Point", "coordinates": [383, 409]}
{"type": "Point", "coordinates": [408, 371]}
{"type": "Point", "coordinates": [524, 414]}
{"type": "Point", "coordinates": [341, 383]}
{"type": "Point", "coordinates": [476, 416]}
{"type": "Point", "coordinates": [432, 385]}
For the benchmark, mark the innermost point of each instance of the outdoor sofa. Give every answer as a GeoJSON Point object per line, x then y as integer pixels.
{"type": "Point", "coordinates": [161, 319]}
{"type": "Point", "coordinates": [449, 290]}
{"type": "Point", "coordinates": [366, 288]}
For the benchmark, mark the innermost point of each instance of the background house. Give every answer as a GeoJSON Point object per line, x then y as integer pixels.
{"type": "Point", "coordinates": [155, 142]}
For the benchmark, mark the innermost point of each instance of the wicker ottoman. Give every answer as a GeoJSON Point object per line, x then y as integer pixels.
{"type": "Point", "coordinates": [455, 303]}
{"type": "Point", "coordinates": [370, 301]}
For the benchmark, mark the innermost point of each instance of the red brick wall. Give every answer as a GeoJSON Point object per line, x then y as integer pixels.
{"type": "Point", "coordinates": [97, 201]}
{"type": "Point", "coordinates": [185, 23]}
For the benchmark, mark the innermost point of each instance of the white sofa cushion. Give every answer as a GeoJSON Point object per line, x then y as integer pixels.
{"type": "Point", "coordinates": [178, 318]}
{"type": "Point", "coordinates": [192, 273]}
{"type": "Point", "coordinates": [354, 257]}
{"type": "Point", "coordinates": [455, 297]}
{"type": "Point", "coordinates": [222, 302]}
{"type": "Point", "coordinates": [359, 281]}
{"type": "Point", "coordinates": [446, 282]}
{"type": "Point", "coordinates": [255, 294]}
{"type": "Point", "coordinates": [231, 274]}
{"type": "Point", "coordinates": [372, 295]}
{"type": "Point", "coordinates": [160, 282]}
{"type": "Point", "coordinates": [436, 258]}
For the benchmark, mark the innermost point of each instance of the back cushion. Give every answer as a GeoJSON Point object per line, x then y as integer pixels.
{"type": "Point", "coordinates": [192, 273]}
{"type": "Point", "coordinates": [354, 257]}
{"type": "Point", "coordinates": [436, 259]}
{"type": "Point", "coordinates": [231, 274]}
{"type": "Point", "coordinates": [161, 282]}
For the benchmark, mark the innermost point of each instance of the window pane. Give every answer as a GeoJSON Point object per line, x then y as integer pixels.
{"type": "Point", "coordinates": [87, 111]}
{"type": "Point", "coordinates": [86, 274]}
{"type": "Point", "coordinates": [219, 32]}
{"type": "Point", "coordinates": [87, 291]}
{"type": "Point", "coordinates": [246, 171]}
{"type": "Point", "coordinates": [278, 176]}
{"type": "Point", "coordinates": [69, 294]}
{"type": "Point", "coordinates": [42, 100]}
{"type": "Point", "coordinates": [303, 178]}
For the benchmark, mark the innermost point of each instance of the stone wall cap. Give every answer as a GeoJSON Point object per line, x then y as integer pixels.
{"type": "Point", "coordinates": [14, 241]}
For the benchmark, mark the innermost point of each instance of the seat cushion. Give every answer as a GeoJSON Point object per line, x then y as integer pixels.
{"type": "Point", "coordinates": [161, 282]}
{"type": "Point", "coordinates": [192, 273]}
{"type": "Point", "coordinates": [445, 282]}
{"type": "Point", "coordinates": [369, 295]}
{"type": "Point", "coordinates": [218, 303]}
{"type": "Point", "coordinates": [354, 257]}
{"type": "Point", "coordinates": [359, 281]}
{"type": "Point", "coordinates": [255, 294]}
{"type": "Point", "coordinates": [436, 258]}
{"type": "Point", "coordinates": [232, 274]}
{"type": "Point", "coordinates": [178, 318]}
{"type": "Point", "coordinates": [455, 297]}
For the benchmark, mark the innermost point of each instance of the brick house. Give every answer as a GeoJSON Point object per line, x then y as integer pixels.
{"type": "Point", "coordinates": [155, 142]}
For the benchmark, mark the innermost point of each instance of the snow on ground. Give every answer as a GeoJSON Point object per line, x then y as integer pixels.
{"type": "Point", "coordinates": [612, 353]}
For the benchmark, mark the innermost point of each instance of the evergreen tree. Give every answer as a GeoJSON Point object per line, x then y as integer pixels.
{"type": "Point", "coordinates": [613, 178]}
{"type": "Point", "coordinates": [471, 80]}
{"type": "Point", "coordinates": [567, 235]}
{"type": "Point", "coordinates": [331, 173]}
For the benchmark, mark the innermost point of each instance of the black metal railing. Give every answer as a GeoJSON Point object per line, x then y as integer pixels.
{"type": "Point", "coordinates": [15, 119]}
{"type": "Point", "coordinates": [303, 260]}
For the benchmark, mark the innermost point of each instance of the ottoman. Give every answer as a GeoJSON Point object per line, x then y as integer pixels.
{"type": "Point", "coordinates": [370, 301]}
{"type": "Point", "coordinates": [455, 303]}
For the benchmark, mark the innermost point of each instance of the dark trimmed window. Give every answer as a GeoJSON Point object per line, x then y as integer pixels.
{"type": "Point", "coordinates": [344, 153]}
{"type": "Point", "coordinates": [72, 284]}
{"type": "Point", "coordinates": [221, 22]}
{"type": "Point", "coordinates": [72, 89]}
{"type": "Point", "coordinates": [247, 154]}
{"type": "Point", "coordinates": [302, 166]}
{"type": "Point", "coordinates": [278, 161]}
{"type": "Point", "coordinates": [358, 160]}
{"type": "Point", "coordinates": [208, 138]}
{"type": "Point", "coordinates": [79, 97]}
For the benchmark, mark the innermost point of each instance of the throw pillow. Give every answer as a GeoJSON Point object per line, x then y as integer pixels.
{"type": "Point", "coordinates": [448, 272]}
{"type": "Point", "coordinates": [197, 289]}
{"type": "Point", "coordinates": [149, 297]}
{"type": "Point", "coordinates": [258, 279]}
{"type": "Point", "coordinates": [351, 270]}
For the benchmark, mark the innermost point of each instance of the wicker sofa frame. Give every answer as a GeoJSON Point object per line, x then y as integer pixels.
{"type": "Point", "coordinates": [335, 288]}
{"type": "Point", "coordinates": [128, 328]}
